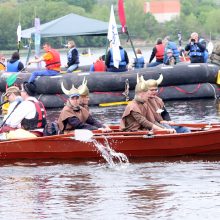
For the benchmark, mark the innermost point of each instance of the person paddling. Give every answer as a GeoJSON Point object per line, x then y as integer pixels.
{"type": "Point", "coordinates": [52, 60]}
{"type": "Point", "coordinates": [30, 114]}
{"type": "Point", "coordinates": [73, 116]}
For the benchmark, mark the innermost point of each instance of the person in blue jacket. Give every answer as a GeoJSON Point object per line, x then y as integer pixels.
{"type": "Point", "coordinates": [170, 45]}
{"type": "Point", "coordinates": [14, 64]}
{"type": "Point", "coordinates": [197, 49]}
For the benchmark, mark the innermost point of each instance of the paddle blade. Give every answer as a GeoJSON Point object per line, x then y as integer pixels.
{"type": "Point", "coordinates": [83, 134]}
{"type": "Point", "coordinates": [11, 79]}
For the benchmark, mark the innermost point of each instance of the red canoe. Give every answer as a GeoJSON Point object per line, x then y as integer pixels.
{"type": "Point", "coordinates": [136, 144]}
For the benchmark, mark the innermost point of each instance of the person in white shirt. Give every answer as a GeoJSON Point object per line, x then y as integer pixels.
{"type": "Point", "coordinates": [13, 95]}
{"type": "Point", "coordinates": [30, 114]}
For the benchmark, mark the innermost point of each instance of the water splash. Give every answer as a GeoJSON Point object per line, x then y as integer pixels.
{"type": "Point", "coordinates": [112, 157]}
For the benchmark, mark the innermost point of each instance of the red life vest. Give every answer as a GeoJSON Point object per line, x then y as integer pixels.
{"type": "Point", "coordinates": [55, 62]}
{"type": "Point", "coordinates": [39, 121]}
{"type": "Point", "coordinates": [160, 51]}
{"type": "Point", "coordinates": [99, 66]}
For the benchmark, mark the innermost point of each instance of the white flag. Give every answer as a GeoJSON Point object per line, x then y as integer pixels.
{"type": "Point", "coordinates": [19, 32]}
{"type": "Point", "coordinates": [114, 39]}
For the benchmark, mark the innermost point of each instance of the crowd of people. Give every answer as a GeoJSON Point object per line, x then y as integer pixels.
{"type": "Point", "coordinates": [164, 52]}
{"type": "Point", "coordinates": [145, 112]}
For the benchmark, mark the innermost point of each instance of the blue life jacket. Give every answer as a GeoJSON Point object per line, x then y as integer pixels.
{"type": "Point", "coordinates": [196, 52]}
{"type": "Point", "coordinates": [12, 67]}
{"type": "Point", "coordinates": [139, 63]}
{"type": "Point", "coordinates": [69, 55]}
{"type": "Point", "coordinates": [173, 47]}
{"type": "Point", "coordinates": [122, 63]}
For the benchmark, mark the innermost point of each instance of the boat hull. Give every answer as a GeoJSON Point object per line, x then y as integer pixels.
{"type": "Point", "coordinates": [133, 146]}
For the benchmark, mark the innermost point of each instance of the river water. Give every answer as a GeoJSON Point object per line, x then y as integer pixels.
{"type": "Point", "coordinates": [167, 188]}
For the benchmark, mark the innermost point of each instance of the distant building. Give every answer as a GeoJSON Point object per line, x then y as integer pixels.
{"type": "Point", "coordinates": [163, 10]}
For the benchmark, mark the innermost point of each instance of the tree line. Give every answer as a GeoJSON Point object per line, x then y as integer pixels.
{"type": "Point", "coordinates": [201, 16]}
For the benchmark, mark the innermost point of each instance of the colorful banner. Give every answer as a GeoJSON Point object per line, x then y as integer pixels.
{"type": "Point", "coordinates": [121, 15]}
{"type": "Point", "coordinates": [113, 37]}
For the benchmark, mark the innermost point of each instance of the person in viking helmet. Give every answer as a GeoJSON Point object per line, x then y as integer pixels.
{"type": "Point", "coordinates": [138, 114]}
{"type": "Point", "coordinates": [73, 116]}
{"type": "Point", "coordinates": [84, 94]}
{"type": "Point", "coordinates": [157, 106]}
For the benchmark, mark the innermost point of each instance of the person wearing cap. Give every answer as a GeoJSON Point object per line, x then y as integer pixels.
{"type": "Point", "coordinates": [138, 115]}
{"type": "Point", "coordinates": [170, 59]}
{"type": "Point", "coordinates": [73, 116]}
{"type": "Point", "coordinates": [13, 96]}
{"type": "Point", "coordinates": [52, 60]}
{"type": "Point", "coordinates": [30, 113]}
{"type": "Point", "coordinates": [197, 49]}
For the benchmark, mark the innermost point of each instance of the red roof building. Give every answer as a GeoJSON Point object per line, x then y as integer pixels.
{"type": "Point", "coordinates": [163, 10]}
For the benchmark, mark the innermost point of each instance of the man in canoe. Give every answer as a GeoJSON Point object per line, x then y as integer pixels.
{"type": "Point", "coordinates": [147, 110]}
{"type": "Point", "coordinates": [138, 114]}
{"type": "Point", "coordinates": [52, 60]}
{"type": "Point", "coordinates": [157, 106]}
{"type": "Point", "coordinates": [73, 116]}
{"type": "Point", "coordinates": [29, 114]}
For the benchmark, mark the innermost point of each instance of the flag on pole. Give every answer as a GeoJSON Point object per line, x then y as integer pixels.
{"type": "Point", "coordinates": [37, 39]}
{"type": "Point", "coordinates": [19, 36]}
{"type": "Point", "coordinates": [19, 32]}
{"type": "Point", "coordinates": [121, 15]}
{"type": "Point", "coordinates": [113, 37]}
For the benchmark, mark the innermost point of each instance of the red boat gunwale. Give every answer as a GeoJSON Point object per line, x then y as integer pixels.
{"type": "Point", "coordinates": [133, 145]}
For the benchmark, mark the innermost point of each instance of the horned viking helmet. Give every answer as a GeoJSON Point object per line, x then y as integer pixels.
{"type": "Point", "coordinates": [143, 85]}
{"type": "Point", "coordinates": [83, 89]}
{"type": "Point", "coordinates": [72, 92]}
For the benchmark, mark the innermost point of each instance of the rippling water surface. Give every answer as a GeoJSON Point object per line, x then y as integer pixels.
{"type": "Point", "coordinates": [166, 188]}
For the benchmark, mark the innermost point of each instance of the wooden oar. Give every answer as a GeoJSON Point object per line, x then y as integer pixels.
{"type": "Point", "coordinates": [109, 104]}
{"type": "Point", "coordinates": [86, 135]}
{"type": "Point", "coordinates": [199, 125]}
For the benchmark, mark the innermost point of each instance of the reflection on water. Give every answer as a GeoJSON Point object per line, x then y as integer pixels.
{"type": "Point", "coordinates": [165, 188]}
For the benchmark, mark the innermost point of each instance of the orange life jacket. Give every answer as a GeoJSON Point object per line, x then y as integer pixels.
{"type": "Point", "coordinates": [55, 62]}
{"type": "Point", "coordinates": [160, 51]}
{"type": "Point", "coordinates": [99, 66]}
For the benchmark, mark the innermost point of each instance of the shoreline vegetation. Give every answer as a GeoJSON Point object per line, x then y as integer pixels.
{"type": "Point", "coordinates": [143, 27]}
